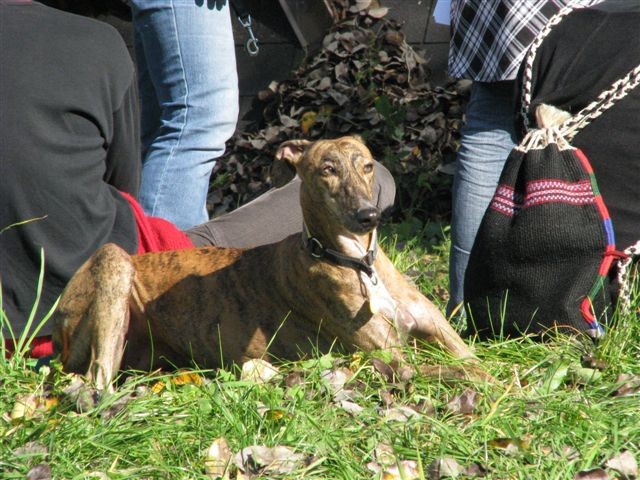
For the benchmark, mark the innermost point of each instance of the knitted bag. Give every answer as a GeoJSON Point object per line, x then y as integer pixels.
{"type": "Point", "coordinates": [546, 244]}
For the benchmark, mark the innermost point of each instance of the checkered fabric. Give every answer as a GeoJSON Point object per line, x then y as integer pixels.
{"type": "Point", "coordinates": [490, 37]}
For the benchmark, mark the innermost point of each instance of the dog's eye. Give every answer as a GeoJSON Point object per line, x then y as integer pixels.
{"type": "Point", "coordinates": [368, 168]}
{"type": "Point", "coordinates": [328, 170]}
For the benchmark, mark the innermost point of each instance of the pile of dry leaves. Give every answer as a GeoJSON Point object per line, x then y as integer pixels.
{"type": "Point", "coordinates": [367, 80]}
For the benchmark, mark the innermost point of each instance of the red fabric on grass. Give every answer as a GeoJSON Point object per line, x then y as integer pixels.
{"type": "Point", "coordinates": [40, 347]}
{"type": "Point", "coordinates": [154, 235]}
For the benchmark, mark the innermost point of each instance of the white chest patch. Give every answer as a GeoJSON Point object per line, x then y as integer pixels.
{"type": "Point", "coordinates": [380, 300]}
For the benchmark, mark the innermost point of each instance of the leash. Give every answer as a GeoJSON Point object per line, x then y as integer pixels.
{"type": "Point", "coordinates": [244, 17]}
{"type": "Point", "coordinates": [363, 264]}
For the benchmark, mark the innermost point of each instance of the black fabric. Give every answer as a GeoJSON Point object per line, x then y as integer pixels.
{"type": "Point", "coordinates": [68, 141]}
{"type": "Point", "coordinates": [582, 56]}
{"type": "Point", "coordinates": [533, 270]}
{"type": "Point", "coordinates": [532, 265]}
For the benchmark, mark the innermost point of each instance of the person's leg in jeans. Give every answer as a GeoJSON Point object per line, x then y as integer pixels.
{"type": "Point", "coordinates": [189, 92]}
{"type": "Point", "coordinates": [275, 215]}
{"type": "Point", "coordinates": [487, 138]}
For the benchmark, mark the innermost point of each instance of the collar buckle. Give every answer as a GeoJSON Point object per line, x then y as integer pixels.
{"type": "Point", "coordinates": [315, 247]}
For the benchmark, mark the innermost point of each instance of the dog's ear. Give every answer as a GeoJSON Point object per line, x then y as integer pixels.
{"type": "Point", "coordinates": [359, 138]}
{"type": "Point", "coordinates": [291, 151]}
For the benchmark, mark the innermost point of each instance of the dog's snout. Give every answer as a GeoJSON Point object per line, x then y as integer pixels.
{"type": "Point", "coordinates": [368, 217]}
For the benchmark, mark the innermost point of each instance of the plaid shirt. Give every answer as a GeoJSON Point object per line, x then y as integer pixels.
{"type": "Point", "coordinates": [490, 37]}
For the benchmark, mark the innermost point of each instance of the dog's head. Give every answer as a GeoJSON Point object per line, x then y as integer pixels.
{"type": "Point", "coordinates": [337, 182]}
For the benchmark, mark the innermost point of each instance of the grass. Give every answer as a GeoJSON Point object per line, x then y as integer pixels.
{"type": "Point", "coordinates": [546, 416]}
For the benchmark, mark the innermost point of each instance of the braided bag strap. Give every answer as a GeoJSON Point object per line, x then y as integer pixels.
{"type": "Point", "coordinates": [624, 277]}
{"type": "Point", "coordinates": [607, 99]}
{"type": "Point", "coordinates": [570, 128]}
{"type": "Point", "coordinates": [527, 82]}
{"type": "Point", "coordinates": [564, 133]}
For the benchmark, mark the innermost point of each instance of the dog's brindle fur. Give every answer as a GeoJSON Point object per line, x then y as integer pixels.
{"type": "Point", "coordinates": [212, 305]}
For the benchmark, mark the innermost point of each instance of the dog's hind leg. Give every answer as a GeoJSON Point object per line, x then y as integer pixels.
{"type": "Point", "coordinates": [91, 323]}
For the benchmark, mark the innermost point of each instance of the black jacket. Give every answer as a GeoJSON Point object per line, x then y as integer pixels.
{"type": "Point", "coordinates": [68, 142]}
{"type": "Point", "coordinates": [582, 56]}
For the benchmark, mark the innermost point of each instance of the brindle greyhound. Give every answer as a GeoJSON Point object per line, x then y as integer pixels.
{"type": "Point", "coordinates": [210, 305]}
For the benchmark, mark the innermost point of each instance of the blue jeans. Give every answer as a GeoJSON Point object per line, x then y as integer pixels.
{"type": "Point", "coordinates": [486, 140]}
{"type": "Point", "coordinates": [188, 86]}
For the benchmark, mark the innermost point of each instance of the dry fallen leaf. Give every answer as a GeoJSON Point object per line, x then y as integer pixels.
{"type": "Point", "coordinates": [258, 371]}
{"type": "Point", "coordinates": [363, 57]}
{"type": "Point", "coordinates": [425, 406]}
{"type": "Point", "coordinates": [81, 395]}
{"type": "Point", "coordinates": [335, 380]}
{"type": "Point", "coordinates": [570, 453]}
{"type": "Point", "coordinates": [384, 454]}
{"type": "Point", "coordinates": [475, 470]}
{"type": "Point", "coordinates": [394, 37]}
{"type": "Point", "coordinates": [184, 377]}
{"type": "Point", "coordinates": [342, 71]}
{"type": "Point", "coordinates": [595, 474]}
{"type": "Point", "coordinates": [383, 369]}
{"type": "Point", "coordinates": [628, 384]}
{"type": "Point", "coordinates": [31, 405]}
{"type": "Point", "coordinates": [24, 408]}
{"type": "Point", "coordinates": [584, 376]}
{"type": "Point", "coordinates": [378, 12]}
{"type": "Point", "coordinates": [31, 449]}
{"type": "Point", "coordinates": [217, 459]}
{"type": "Point", "coordinates": [444, 467]}
{"type": "Point", "coordinates": [511, 446]}
{"type": "Point", "coordinates": [41, 471]}
{"type": "Point", "coordinates": [350, 407]}
{"type": "Point", "coordinates": [360, 5]}
{"type": "Point", "coordinates": [117, 406]}
{"type": "Point", "coordinates": [400, 413]}
{"type": "Point", "coordinates": [590, 361]}
{"type": "Point", "coordinates": [158, 387]}
{"type": "Point", "coordinates": [401, 470]}
{"type": "Point", "coordinates": [625, 464]}
{"type": "Point", "coordinates": [307, 121]}
{"type": "Point", "coordinates": [387, 398]}
{"type": "Point", "coordinates": [463, 403]}
{"type": "Point", "coordinates": [278, 460]}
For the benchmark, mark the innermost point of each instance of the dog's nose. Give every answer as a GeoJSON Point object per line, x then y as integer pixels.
{"type": "Point", "coordinates": [368, 217]}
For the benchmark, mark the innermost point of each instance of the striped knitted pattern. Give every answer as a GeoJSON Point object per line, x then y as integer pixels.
{"type": "Point", "coordinates": [509, 202]}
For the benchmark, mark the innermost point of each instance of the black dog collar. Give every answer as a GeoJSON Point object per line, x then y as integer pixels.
{"type": "Point", "coordinates": [364, 264]}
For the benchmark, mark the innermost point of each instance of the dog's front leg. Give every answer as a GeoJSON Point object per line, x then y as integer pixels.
{"type": "Point", "coordinates": [92, 319]}
{"type": "Point", "coordinates": [416, 316]}
{"type": "Point", "coordinates": [423, 321]}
